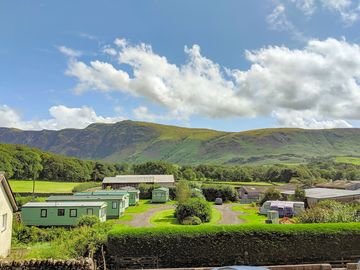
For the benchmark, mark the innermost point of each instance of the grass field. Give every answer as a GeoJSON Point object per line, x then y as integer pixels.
{"type": "Point", "coordinates": [166, 218]}
{"type": "Point", "coordinates": [349, 160]}
{"type": "Point", "coordinates": [249, 214]}
{"type": "Point", "coordinates": [42, 186]}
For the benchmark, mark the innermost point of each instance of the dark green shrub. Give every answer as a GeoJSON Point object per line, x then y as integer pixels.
{"type": "Point", "coordinates": [87, 221]}
{"type": "Point", "coordinates": [146, 190]}
{"type": "Point", "coordinates": [193, 220]}
{"type": "Point", "coordinates": [225, 192]}
{"type": "Point", "coordinates": [271, 194]}
{"type": "Point", "coordinates": [193, 207]}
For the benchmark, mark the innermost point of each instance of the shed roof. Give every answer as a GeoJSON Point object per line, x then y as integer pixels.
{"type": "Point", "coordinates": [326, 193]}
{"type": "Point", "coordinates": [340, 184]}
{"type": "Point", "coordinates": [134, 179]}
{"type": "Point", "coordinates": [8, 192]}
{"type": "Point", "coordinates": [63, 204]}
{"type": "Point", "coordinates": [162, 189]}
{"type": "Point", "coordinates": [83, 198]}
{"type": "Point", "coordinates": [118, 193]}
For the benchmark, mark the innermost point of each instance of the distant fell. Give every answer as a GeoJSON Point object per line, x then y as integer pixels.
{"type": "Point", "coordinates": [135, 142]}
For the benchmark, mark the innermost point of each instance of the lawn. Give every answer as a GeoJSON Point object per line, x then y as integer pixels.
{"type": "Point", "coordinates": [42, 186]}
{"type": "Point", "coordinates": [166, 218]}
{"type": "Point", "coordinates": [142, 207]}
{"type": "Point", "coordinates": [249, 214]}
{"type": "Point", "coordinates": [349, 160]}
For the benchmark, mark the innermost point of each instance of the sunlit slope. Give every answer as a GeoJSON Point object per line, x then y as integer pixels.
{"type": "Point", "coordinates": [131, 141]}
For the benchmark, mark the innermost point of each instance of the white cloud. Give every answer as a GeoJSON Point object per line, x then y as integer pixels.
{"type": "Point", "coordinates": [61, 117]}
{"type": "Point", "coordinates": [69, 52]}
{"type": "Point", "coordinates": [322, 78]}
{"type": "Point", "coordinates": [306, 6]}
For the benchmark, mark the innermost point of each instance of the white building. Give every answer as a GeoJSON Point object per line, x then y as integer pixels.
{"type": "Point", "coordinates": [7, 208]}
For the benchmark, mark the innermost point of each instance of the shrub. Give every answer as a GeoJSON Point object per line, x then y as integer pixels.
{"type": "Point", "coordinates": [183, 192]}
{"type": "Point", "coordinates": [193, 207]}
{"type": "Point", "coordinates": [85, 186]}
{"type": "Point", "coordinates": [89, 221]}
{"type": "Point", "coordinates": [193, 220]}
{"type": "Point", "coordinates": [226, 192]}
{"type": "Point", "coordinates": [271, 194]}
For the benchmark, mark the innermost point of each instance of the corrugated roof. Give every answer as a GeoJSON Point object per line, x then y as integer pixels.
{"type": "Point", "coordinates": [83, 198]}
{"type": "Point", "coordinates": [117, 193]}
{"type": "Point", "coordinates": [162, 189]}
{"type": "Point", "coordinates": [340, 184]}
{"type": "Point", "coordinates": [63, 204]}
{"type": "Point", "coordinates": [133, 179]}
{"type": "Point", "coordinates": [8, 191]}
{"type": "Point", "coordinates": [326, 193]}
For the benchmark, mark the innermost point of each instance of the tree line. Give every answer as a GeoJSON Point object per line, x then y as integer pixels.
{"type": "Point", "coordinates": [21, 162]}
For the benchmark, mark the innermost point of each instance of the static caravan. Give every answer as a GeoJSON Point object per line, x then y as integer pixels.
{"type": "Point", "coordinates": [160, 195]}
{"type": "Point", "coordinates": [60, 213]}
{"type": "Point", "coordinates": [115, 208]}
{"type": "Point", "coordinates": [285, 208]}
{"type": "Point", "coordinates": [113, 193]}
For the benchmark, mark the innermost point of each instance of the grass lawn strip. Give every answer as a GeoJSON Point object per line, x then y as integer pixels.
{"type": "Point", "coordinates": [249, 214]}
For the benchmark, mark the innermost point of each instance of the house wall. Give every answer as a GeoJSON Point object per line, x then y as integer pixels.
{"type": "Point", "coordinates": [31, 215]}
{"type": "Point", "coordinates": [5, 234]}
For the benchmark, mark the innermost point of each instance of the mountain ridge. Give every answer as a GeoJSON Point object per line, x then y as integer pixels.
{"type": "Point", "coordinates": [135, 142]}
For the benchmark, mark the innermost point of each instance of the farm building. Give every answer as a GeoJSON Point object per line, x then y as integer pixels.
{"type": "Point", "coordinates": [121, 181]}
{"type": "Point", "coordinates": [7, 208]}
{"type": "Point", "coordinates": [284, 208]}
{"type": "Point", "coordinates": [314, 195]}
{"type": "Point", "coordinates": [160, 195]}
{"type": "Point", "coordinates": [115, 204]}
{"type": "Point", "coordinates": [123, 194]}
{"type": "Point", "coordinates": [341, 184]}
{"type": "Point", "coordinates": [249, 194]}
{"type": "Point", "coordinates": [60, 213]}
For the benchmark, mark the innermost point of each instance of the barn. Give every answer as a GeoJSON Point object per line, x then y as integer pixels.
{"type": "Point", "coordinates": [121, 181]}
{"type": "Point", "coordinates": [60, 213]}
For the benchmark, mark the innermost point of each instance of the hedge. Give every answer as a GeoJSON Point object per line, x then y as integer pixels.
{"type": "Point", "coordinates": [199, 246]}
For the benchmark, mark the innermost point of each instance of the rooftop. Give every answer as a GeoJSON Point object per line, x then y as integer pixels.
{"type": "Point", "coordinates": [324, 193]}
{"type": "Point", "coordinates": [83, 198]}
{"type": "Point", "coordinates": [62, 204]}
{"type": "Point", "coordinates": [134, 179]}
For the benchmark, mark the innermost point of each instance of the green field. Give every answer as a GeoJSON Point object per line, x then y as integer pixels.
{"type": "Point", "coordinates": [42, 186]}
{"type": "Point", "coordinates": [349, 160]}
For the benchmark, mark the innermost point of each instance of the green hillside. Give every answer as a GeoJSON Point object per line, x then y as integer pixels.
{"type": "Point", "coordinates": [137, 142]}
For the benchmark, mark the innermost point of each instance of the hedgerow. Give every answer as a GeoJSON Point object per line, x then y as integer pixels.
{"type": "Point", "coordinates": [236, 244]}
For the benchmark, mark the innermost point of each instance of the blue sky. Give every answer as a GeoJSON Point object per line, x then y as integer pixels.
{"type": "Point", "coordinates": [227, 65]}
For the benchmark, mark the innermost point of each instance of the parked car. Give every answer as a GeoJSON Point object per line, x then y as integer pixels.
{"type": "Point", "coordinates": [218, 201]}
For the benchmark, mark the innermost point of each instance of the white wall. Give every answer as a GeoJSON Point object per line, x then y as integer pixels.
{"type": "Point", "coordinates": [5, 235]}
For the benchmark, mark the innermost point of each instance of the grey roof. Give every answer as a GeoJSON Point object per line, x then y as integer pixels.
{"type": "Point", "coordinates": [84, 198]}
{"type": "Point", "coordinates": [134, 179]}
{"type": "Point", "coordinates": [326, 193]}
{"type": "Point", "coordinates": [162, 189]}
{"type": "Point", "coordinates": [63, 204]}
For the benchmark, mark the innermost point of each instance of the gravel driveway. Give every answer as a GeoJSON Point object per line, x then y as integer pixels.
{"type": "Point", "coordinates": [228, 216]}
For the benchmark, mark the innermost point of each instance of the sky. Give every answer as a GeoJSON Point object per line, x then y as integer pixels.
{"type": "Point", "coordinates": [227, 65]}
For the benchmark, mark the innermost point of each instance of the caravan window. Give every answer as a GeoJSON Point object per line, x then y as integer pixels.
{"type": "Point", "coordinates": [43, 213]}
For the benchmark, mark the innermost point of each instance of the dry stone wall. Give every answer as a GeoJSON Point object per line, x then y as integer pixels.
{"type": "Point", "coordinates": [85, 264]}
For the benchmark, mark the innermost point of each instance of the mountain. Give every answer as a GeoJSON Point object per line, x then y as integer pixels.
{"type": "Point", "coordinates": [137, 142]}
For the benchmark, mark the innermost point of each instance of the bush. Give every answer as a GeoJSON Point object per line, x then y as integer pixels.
{"type": "Point", "coordinates": [89, 221]}
{"type": "Point", "coordinates": [85, 186]}
{"type": "Point", "coordinates": [193, 207]}
{"type": "Point", "coordinates": [271, 194]}
{"type": "Point", "coordinates": [235, 244]}
{"type": "Point", "coordinates": [329, 212]}
{"type": "Point", "coordinates": [183, 192]}
{"type": "Point", "coordinates": [226, 192]}
{"type": "Point", "coordinates": [193, 220]}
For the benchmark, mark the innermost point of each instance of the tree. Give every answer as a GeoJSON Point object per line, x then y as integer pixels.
{"type": "Point", "coordinates": [299, 194]}
{"type": "Point", "coordinates": [183, 192]}
{"type": "Point", "coordinates": [271, 194]}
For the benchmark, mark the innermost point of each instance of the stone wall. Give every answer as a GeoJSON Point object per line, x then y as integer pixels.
{"type": "Point", "coordinates": [85, 264]}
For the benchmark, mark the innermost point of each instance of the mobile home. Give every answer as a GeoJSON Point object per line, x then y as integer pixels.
{"type": "Point", "coordinates": [285, 208]}
{"type": "Point", "coordinates": [115, 205]}
{"type": "Point", "coordinates": [160, 195]}
{"type": "Point", "coordinates": [60, 213]}
{"type": "Point", "coordinates": [113, 193]}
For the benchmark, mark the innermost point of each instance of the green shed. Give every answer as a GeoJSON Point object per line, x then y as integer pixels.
{"type": "Point", "coordinates": [122, 194]}
{"type": "Point", "coordinates": [160, 195]}
{"type": "Point", "coordinates": [115, 208]}
{"type": "Point", "coordinates": [60, 213]}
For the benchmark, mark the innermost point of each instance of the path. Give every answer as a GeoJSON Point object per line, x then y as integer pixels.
{"type": "Point", "coordinates": [143, 219]}
{"type": "Point", "coordinates": [228, 216]}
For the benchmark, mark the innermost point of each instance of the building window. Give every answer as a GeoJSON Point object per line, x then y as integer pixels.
{"type": "Point", "coordinates": [61, 212]}
{"type": "Point", "coordinates": [114, 205]}
{"type": "Point", "coordinates": [89, 211]}
{"type": "Point", "coordinates": [73, 212]}
{"type": "Point", "coordinates": [43, 213]}
{"type": "Point", "coordinates": [4, 222]}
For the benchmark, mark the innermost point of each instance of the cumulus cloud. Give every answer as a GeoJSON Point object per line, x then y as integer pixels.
{"type": "Point", "coordinates": [69, 52]}
{"type": "Point", "coordinates": [321, 78]}
{"type": "Point", "coordinates": [61, 117]}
